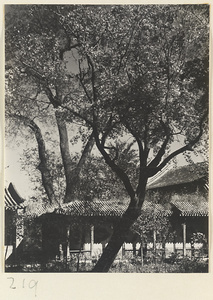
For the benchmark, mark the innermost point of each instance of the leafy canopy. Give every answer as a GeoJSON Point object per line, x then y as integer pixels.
{"type": "Point", "coordinates": [122, 72]}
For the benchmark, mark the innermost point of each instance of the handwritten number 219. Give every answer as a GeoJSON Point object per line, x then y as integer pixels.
{"type": "Point", "coordinates": [32, 284]}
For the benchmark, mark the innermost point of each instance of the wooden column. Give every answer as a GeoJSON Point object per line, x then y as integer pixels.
{"type": "Point", "coordinates": [14, 238]}
{"type": "Point", "coordinates": [103, 246]}
{"type": "Point", "coordinates": [123, 251]}
{"type": "Point", "coordinates": [141, 252]}
{"type": "Point", "coordinates": [68, 242]}
{"type": "Point", "coordinates": [154, 241]}
{"type": "Point", "coordinates": [184, 239]}
{"type": "Point", "coordinates": [154, 245]}
{"type": "Point", "coordinates": [91, 239]}
{"type": "Point", "coordinates": [61, 253]}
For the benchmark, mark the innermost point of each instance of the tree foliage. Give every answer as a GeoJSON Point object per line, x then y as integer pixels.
{"type": "Point", "coordinates": [136, 73]}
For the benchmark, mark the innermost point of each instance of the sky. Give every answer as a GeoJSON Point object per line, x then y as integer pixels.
{"type": "Point", "coordinates": [21, 180]}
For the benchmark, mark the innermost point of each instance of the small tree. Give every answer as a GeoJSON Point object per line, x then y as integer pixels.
{"type": "Point", "coordinates": [152, 225]}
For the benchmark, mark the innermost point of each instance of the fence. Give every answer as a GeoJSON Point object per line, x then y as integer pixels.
{"type": "Point", "coordinates": [196, 250]}
{"type": "Point", "coordinates": [127, 250]}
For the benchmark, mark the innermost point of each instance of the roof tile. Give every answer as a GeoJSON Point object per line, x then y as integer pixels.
{"type": "Point", "coordinates": [180, 175]}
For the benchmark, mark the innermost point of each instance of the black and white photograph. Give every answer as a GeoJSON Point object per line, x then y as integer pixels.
{"type": "Point", "coordinates": [106, 165]}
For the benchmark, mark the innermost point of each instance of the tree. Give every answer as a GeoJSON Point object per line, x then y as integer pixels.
{"type": "Point", "coordinates": [152, 224]}
{"type": "Point", "coordinates": [136, 73]}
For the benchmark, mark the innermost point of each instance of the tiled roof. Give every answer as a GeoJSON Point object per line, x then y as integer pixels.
{"type": "Point", "coordinates": [78, 208]}
{"type": "Point", "coordinates": [156, 208]}
{"type": "Point", "coordinates": [12, 199]}
{"type": "Point", "coordinates": [114, 209]}
{"type": "Point", "coordinates": [94, 208]}
{"type": "Point", "coordinates": [191, 209]}
{"type": "Point", "coordinates": [91, 208]}
{"type": "Point", "coordinates": [37, 209]}
{"type": "Point", "coordinates": [181, 175]}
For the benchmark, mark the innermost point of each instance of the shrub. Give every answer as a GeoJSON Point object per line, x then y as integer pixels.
{"type": "Point", "coordinates": [187, 265]}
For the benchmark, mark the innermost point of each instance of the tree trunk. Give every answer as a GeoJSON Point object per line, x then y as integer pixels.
{"type": "Point", "coordinates": [109, 254]}
{"type": "Point", "coordinates": [47, 181]}
{"type": "Point", "coordinates": [74, 176]}
{"type": "Point", "coordinates": [118, 238]}
{"type": "Point", "coordinates": [46, 177]}
{"type": "Point", "coordinates": [71, 175]}
{"type": "Point", "coordinates": [65, 151]}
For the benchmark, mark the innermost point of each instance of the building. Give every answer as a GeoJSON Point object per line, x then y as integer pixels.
{"type": "Point", "coordinates": [185, 191]}
{"type": "Point", "coordinates": [14, 208]}
{"type": "Point", "coordinates": [180, 196]}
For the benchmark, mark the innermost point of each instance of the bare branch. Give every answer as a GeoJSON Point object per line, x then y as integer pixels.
{"type": "Point", "coordinates": [115, 149]}
{"type": "Point", "coordinates": [161, 152]}
{"type": "Point", "coordinates": [32, 72]}
{"type": "Point", "coordinates": [82, 83]}
{"type": "Point", "coordinates": [91, 64]}
{"type": "Point", "coordinates": [187, 147]}
{"type": "Point", "coordinates": [119, 172]}
{"type": "Point", "coordinates": [76, 114]}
